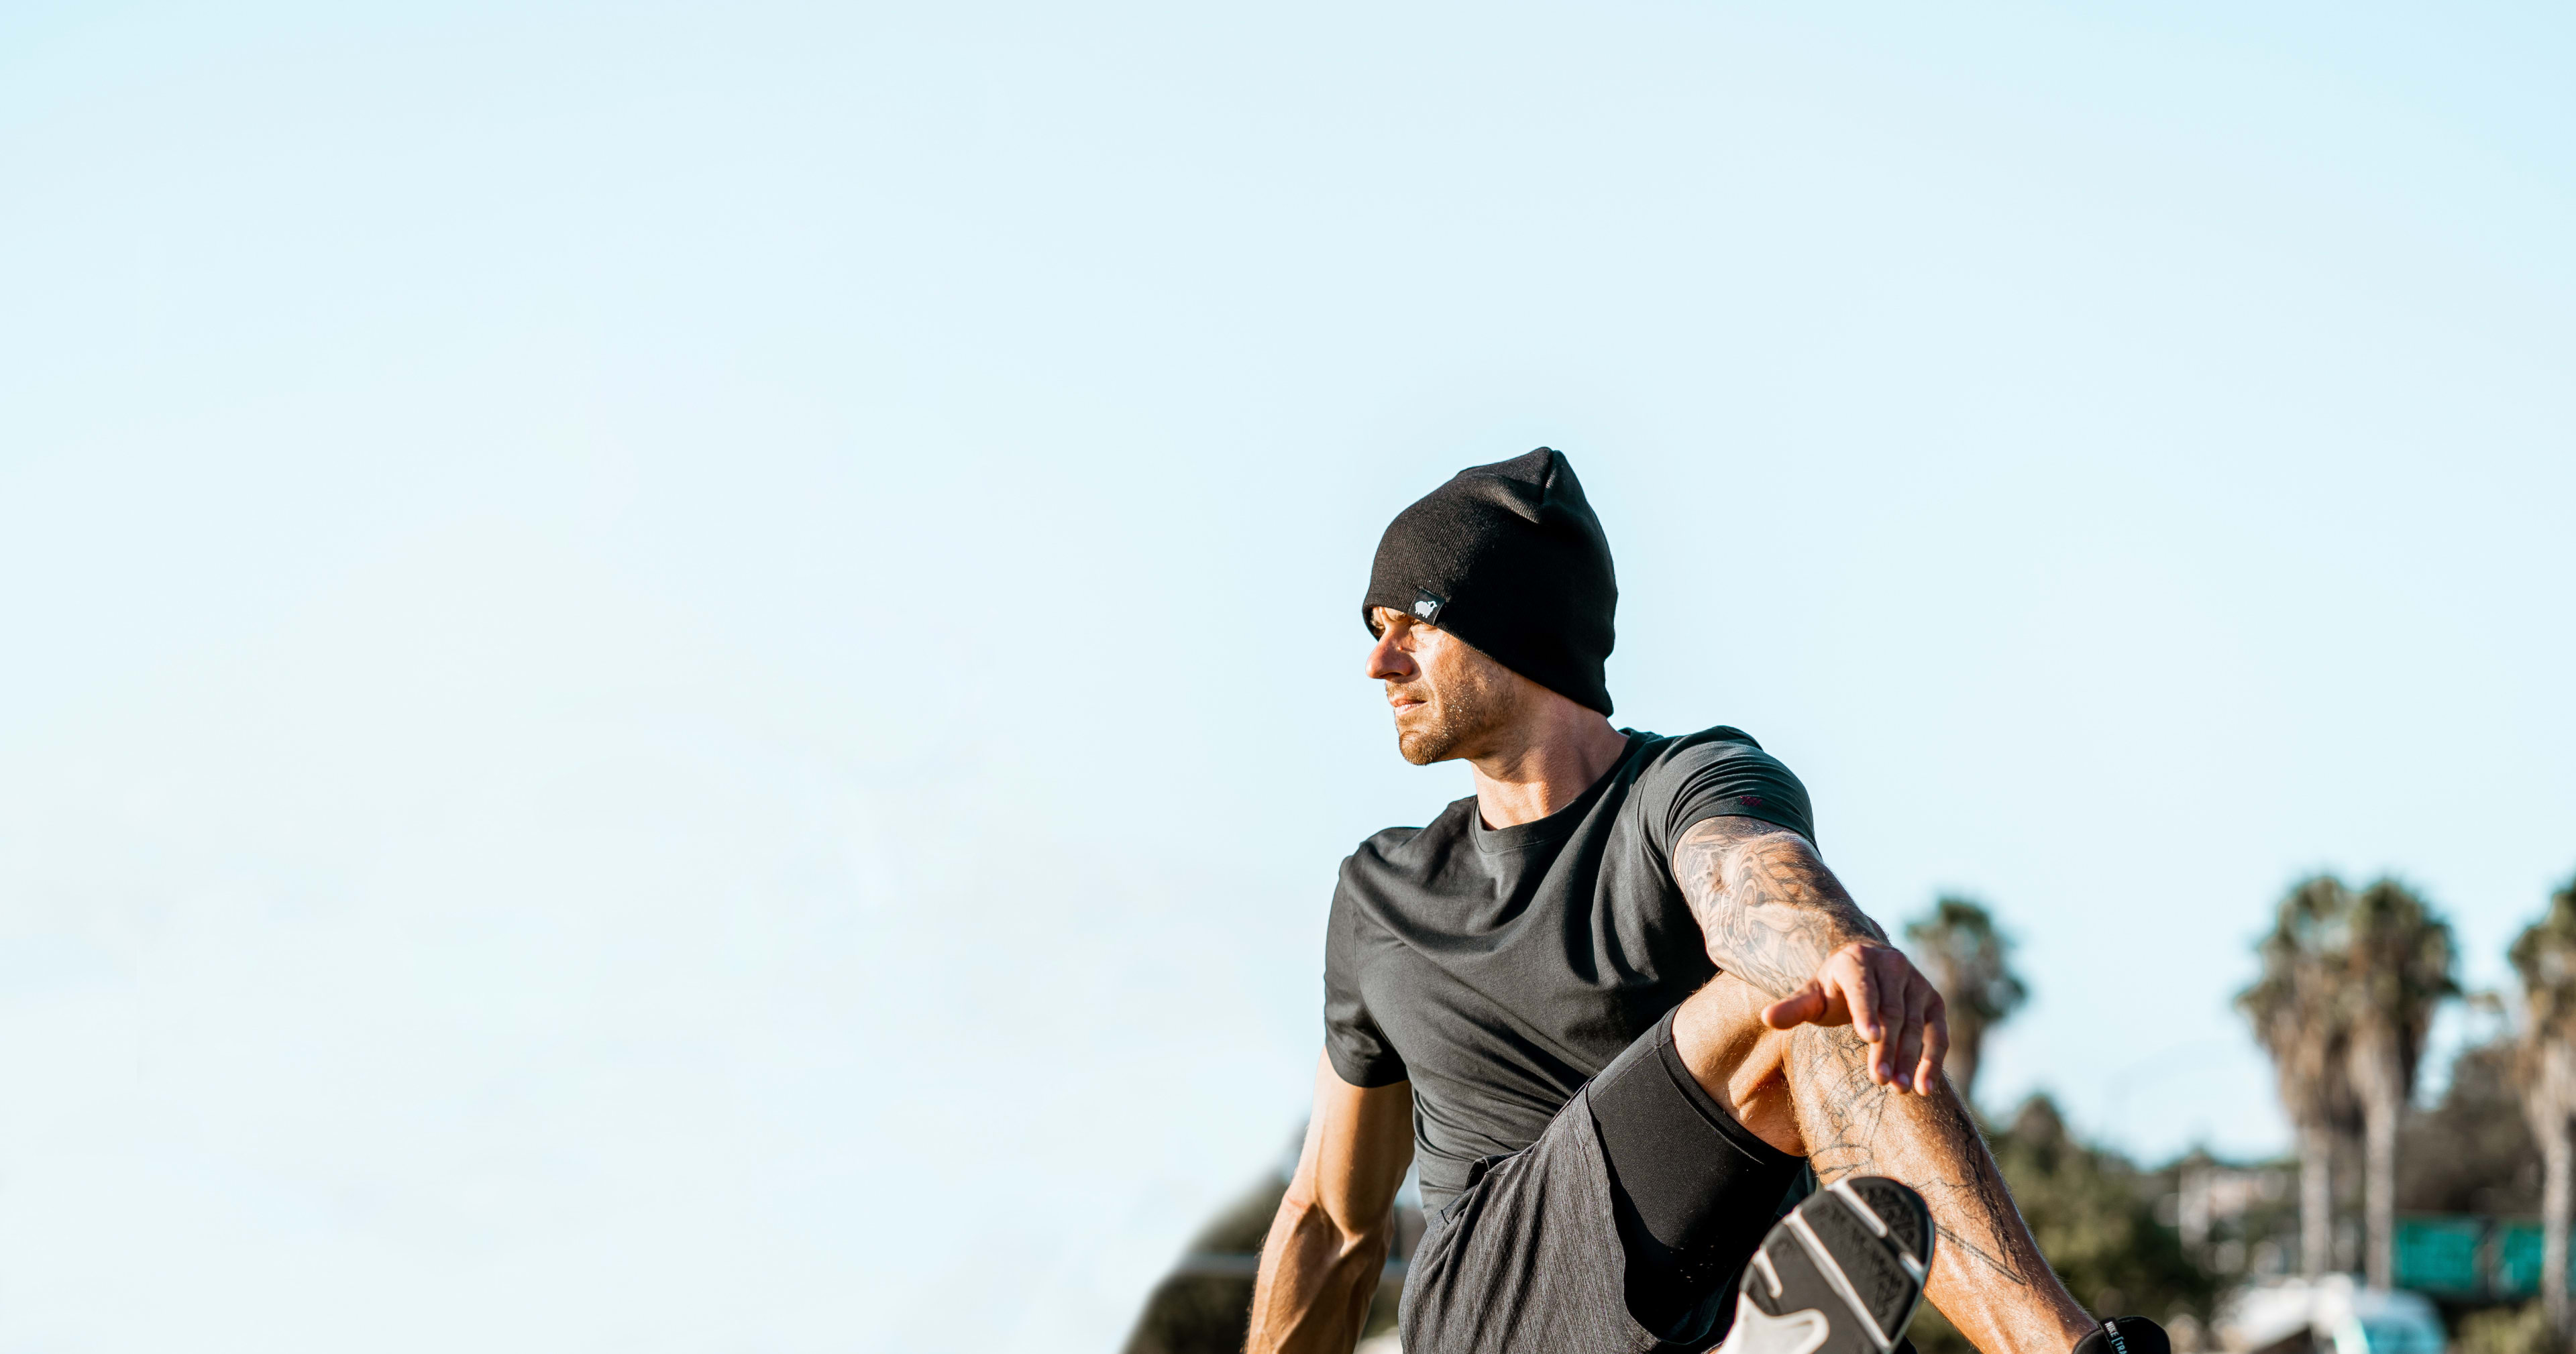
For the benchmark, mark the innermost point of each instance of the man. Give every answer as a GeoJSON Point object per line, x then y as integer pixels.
{"type": "Point", "coordinates": [1618, 1009]}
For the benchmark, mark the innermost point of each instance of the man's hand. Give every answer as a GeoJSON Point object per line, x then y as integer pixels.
{"type": "Point", "coordinates": [1877, 991]}
{"type": "Point", "coordinates": [1777, 918]}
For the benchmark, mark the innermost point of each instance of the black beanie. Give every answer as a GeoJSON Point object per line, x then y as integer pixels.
{"type": "Point", "coordinates": [1509, 558]}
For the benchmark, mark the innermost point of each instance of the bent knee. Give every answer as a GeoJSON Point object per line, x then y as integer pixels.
{"type": "Point", "coordinates": [1742, 1063]}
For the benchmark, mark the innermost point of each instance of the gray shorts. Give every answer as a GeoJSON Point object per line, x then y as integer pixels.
{"type": "Point", "coordinates": [1528, 1259]}
{"type": "Point", "coordinates": [1535, 1253]}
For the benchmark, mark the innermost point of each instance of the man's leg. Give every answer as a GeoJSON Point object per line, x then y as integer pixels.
{"type": "Point", "coordinates": [1807, 1091]}
{"type": "Point", "coordinates": [1692, 1190]}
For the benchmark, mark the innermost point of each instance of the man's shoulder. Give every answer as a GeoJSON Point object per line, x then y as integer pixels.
{"type": "Point", "coordinates": [1399, 847]}
{"type": "Point", "coordinates": [1719, 770]}
{"type": "Point", "coordinates": [1715, 741]}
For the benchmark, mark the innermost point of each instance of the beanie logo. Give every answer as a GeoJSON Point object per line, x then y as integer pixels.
{"type": "Point", "coordinates": [1426, 606]}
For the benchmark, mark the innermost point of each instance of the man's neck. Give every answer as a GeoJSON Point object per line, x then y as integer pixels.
{"type": "Point", "coordinates": [1547, 768]}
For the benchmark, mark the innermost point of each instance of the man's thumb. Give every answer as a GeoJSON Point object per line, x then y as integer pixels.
{"type": "Point", "coordinates": [1797, 1008]}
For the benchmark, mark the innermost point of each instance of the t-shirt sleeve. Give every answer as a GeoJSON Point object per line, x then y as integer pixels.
{"type": "Point", "coordinates": [1359, 1050]}
{"type": "Point", "coordinates": [1714, 775]}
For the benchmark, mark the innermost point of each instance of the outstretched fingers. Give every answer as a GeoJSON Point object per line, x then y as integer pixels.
{"type": "Point", "coordinates": [1889, 970]}
{"type": "Point", "coordinates": [1850, 986]}
{"type": "Point", "coordinates": [1876, 1010]}
{"type": "Point", "coordinates": [1916, 1061]}
{"type": "Point", "coordinates": [1919, 1029]}
{"type": "Point", "coordinates": [1888, 1002]}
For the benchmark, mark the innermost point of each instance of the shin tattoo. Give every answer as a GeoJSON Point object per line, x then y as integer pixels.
{"type": "Point", "coordinates": [1988, 1276]}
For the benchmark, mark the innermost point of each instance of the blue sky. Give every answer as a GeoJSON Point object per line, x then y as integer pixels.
{"type": "Point", "coordinates": [686, 677]}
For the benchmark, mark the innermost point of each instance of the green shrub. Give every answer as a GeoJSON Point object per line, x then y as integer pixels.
{"type": "Point", "coordinates": [2509, 1330]}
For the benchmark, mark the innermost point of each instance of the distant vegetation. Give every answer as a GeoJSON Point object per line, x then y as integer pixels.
{"type": "Point", "coordinates": [2348, 985]}
{"type": "Point", "coordinates": [1970, 960]}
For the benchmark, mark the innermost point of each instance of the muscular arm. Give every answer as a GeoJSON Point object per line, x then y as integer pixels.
{"type": "Point", "coordinates": [1327, 1246]}
{"type": "Point", "coordinates": [1775, 917]}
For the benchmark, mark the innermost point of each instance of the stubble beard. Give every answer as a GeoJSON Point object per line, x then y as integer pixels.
{"type": "Point", "coordinates": [1448, 721]}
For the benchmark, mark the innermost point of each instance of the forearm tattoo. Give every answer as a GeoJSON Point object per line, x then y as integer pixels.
{"type": "Point", "coordinates": [1769, 907]}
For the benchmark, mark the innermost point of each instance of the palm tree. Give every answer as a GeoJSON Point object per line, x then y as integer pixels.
{"type": "Point", "coordinates": [1971, 962]}
{"type": "Point", "coordinates": [2544, 958]}
{"type": "Point", "coordinates": [2299, 1015]}
{"type": "Point", "coordinates": [2397, 970]}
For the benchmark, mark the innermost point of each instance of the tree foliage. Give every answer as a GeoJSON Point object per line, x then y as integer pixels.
{"type": "Point", "coordinates": [2510, 1330]}
{"type": "Point", "coordinates": [2344, 1002]}
{"type": "Point", "coordinates": [2092, 1212]}
{"type": "Point", "coordinates": [2473, 1152]}
{"type": "Point", "coordinates": [2296, 1007]}
{"type": "Point", "coordinates": [1970, 960]}
{"type": "Point", "coordinates": [2298, 1011]}
{"type": "Point", "coordinates": [2396, 970]}
{"type": "Point", "coordinates": [2544, 959]}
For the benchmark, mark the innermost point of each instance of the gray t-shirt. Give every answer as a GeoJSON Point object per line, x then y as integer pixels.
{"type": "Point", "coordinates": [1498, 969]}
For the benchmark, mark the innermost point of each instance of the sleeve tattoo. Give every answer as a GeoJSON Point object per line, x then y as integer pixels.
{"type": "Point", "coordinates": [1766, 902]}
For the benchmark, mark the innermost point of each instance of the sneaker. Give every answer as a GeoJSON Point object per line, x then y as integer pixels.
{"type": "Point", "coordinates": [1841, 1274]}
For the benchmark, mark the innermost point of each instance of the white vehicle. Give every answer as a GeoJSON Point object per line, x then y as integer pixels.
{"type": "Point", "coordinates": [2335, 1314]}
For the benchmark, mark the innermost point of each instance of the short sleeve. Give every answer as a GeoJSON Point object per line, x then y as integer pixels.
{"type": "Point", "coordinates": [1719, 773]}
{"type": "Point", "coordinates": [1359, 1050]}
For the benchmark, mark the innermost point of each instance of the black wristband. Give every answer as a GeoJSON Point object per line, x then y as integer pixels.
{"type": "Point", "coordinates": [2126, 1335]}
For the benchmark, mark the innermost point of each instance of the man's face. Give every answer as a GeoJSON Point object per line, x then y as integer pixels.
{"type": "Point", "coordinates": [1449, 698]}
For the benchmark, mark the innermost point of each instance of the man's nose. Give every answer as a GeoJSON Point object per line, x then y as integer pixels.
{"type": "Point", "coordinates": [1388, 663]}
